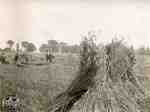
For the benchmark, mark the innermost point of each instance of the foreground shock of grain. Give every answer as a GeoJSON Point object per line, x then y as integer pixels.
{"type": "Point", "coordinates": [106, 82]}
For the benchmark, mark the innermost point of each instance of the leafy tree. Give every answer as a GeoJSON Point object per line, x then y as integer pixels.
{"type": "Point", "coordinates": [53, 45]}
{"type": "Point", "coordinates": [24, 44]}
{"type": "Point", "coordinates": [143, 50]}
{"type": "Point", "coordinates": [74, 49]}
{"type": "Point", "coordinates": [63, 44]}
{"type": "Point", "coordinates": [43, 48]}
{"type": "Point", "coordinates": [31, 47]}
{"type": "Point", "coordinates": [10, 43]}
{"type": "Point", "coordinates": [64, 47]}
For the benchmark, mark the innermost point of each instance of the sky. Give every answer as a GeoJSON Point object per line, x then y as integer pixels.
{"type": "Point", "coordinates": [66, 20]}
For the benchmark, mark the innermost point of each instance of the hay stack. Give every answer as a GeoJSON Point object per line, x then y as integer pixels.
{"type": "Point", "coordinates": [85, 79]}
{"type": "Point", "coordinates": [115, 88]}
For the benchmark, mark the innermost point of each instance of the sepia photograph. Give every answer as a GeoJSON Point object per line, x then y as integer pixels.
{"type": "Point", "coordinates": [74, 56]}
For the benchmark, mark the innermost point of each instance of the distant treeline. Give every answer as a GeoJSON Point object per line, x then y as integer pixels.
{"type": "Point", "coordinates": [51, 45]}
{"type": "Point", "coordinates": [143, 50]}
{"type": "Point", "coordinates": [54, 47]}
{"type": "Point", "coordinates": [59, 47]}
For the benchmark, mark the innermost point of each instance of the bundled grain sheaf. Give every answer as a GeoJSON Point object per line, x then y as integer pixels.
{"type": "Point", "coordinates": [108, 84]}
{"type": "Point", "coordinates": [117, 88]}
{"type": "Point", "coordinates": [121, 79]}
{"type": "Point", "coordinates": [85, 79]}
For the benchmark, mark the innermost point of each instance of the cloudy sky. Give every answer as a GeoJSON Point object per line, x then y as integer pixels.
{"type": "Point", "coordinates": [66, 20]}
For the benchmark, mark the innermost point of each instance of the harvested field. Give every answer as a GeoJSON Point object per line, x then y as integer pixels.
{"type": "Point", "coordinates": [48, 80]}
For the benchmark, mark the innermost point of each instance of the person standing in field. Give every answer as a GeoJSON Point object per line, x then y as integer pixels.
{"type": "Point", "coordinates": [2, 58]}
{"type": "Point", "coordinates": [16, 58]}
{"type": "Point", "coordinates": [49, 56]}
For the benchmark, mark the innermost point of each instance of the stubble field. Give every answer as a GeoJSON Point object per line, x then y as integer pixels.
{"type": "Point", "coordinates": [37, 85]}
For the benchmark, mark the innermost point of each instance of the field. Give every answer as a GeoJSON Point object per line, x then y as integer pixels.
{"type": "Point", "coordinates": [38, 84]}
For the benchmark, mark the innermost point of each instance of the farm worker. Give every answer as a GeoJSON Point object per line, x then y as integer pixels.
{"type": "Point", "coordinates": [2, 58]}
{"type": "Point", "coordinates": [49, 56]}
{"type": "Point", "coordinates": [16, 58]}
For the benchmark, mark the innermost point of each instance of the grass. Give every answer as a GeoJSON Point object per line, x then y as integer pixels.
{"type": "Point", "coordinates": [45, 81]}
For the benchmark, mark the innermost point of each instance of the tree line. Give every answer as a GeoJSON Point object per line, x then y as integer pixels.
{"type": "Point", "coordinates": [52, 45]}
{"type": "Point", "coordinates": [55, 47]}
{"type": "Point", "coordinates": [59, 47]}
